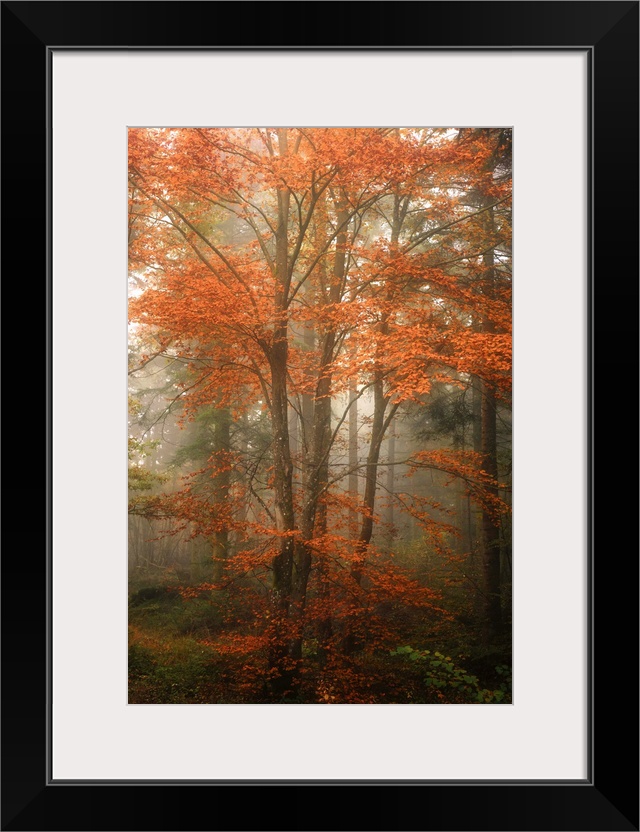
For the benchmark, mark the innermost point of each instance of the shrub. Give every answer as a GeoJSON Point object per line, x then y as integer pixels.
{"type": "Point", "coordinates": [453, 683]}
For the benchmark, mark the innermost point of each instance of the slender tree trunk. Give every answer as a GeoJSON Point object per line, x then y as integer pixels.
{"type": "Point", "coordinates": [353, 450]}
{"type": "Point", "coordinates": [281, 669]}
{"type": "Point", "coordinates": [380, 402]}
{"type": "Point", "coordinates": [309, 341]}
{"type": "Point", "coordinates": [353, 634]}
{"type": "Point", "coordinates": [294, 438]}
{"type": "Point", "coordinates": [313, 509]}
{"type": "Point", "coordinates": [490, 527]}
{"type": "Point", "coordinates": [476, 409]}
{"type": "Point", "coordinates": [243, 508]}
{"type": "Point", "coordinates": [221, 486]}
{"type": "Point", "coordinates": [371, 477]}
{"type": "Point", "coordinates": [379, 426]}
{"type": "Point", "coordinates": [391, 477]}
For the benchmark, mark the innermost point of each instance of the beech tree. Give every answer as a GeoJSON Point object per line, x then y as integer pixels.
{"type": "Point", "coordinates": [322, 279]}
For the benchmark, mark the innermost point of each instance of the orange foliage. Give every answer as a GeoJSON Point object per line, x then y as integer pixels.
{"type": "Point", "coordinates": [386, 237]}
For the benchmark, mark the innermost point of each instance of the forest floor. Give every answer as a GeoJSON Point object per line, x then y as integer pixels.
{"type": "Point", "coordinates": [175, 658]}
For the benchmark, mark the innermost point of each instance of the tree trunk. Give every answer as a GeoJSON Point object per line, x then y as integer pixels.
{"type": "Point", "coordinates": [353, 635]}
{"type": "Point", "coordinates": [391, 477]}
{"type": "Point", "coordinates": [281, 669]}
{"type": "Point", "coordinates": [371, 476]}
{"type": "Point", "coordinates": [353, 450]}
{"type": "Point", "coordinates": [309, 341]}
{"type": "Point", "coordinates": [490, 528]}
{"type": "Point", "coordinates": [379, 426]}
{"type": "Point", "coordinates": [476, 409]}
{"type": "Point", "coordinates": [221, 486]}
{"type": "Point", "coordinates": [313, 518]}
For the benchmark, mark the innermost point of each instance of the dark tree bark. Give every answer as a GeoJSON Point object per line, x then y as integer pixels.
{"type": "Point", "coordinates": [379, 427]}
{"type": "Point", "coordinates": [489, 527]}
{"type": "Point", "coordinates": [391, 475]}
{"type": "Point", "coordinates": [313, 518]}
{"type": "Point", "coordinates": [221, 486]}
{"type": "Point", "coordinates": [278, 355]}
{"type": "Point", "coordinates": [353, 448]}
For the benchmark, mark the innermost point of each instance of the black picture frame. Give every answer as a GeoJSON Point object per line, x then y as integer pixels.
{"type": "Point", "coordinates": [608, 798]}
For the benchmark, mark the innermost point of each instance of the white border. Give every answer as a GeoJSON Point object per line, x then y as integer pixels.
{"type": "Point", "coordinates": [95, 733]}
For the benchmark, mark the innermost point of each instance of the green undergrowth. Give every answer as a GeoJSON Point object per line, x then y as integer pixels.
{"type": "Point", "coordinates": [173, 660]}
{"type": "Point", "coordinates": [168, 664]}
{"type": "Point", "coordinates": [174, 671]}
{"type": "Point", "coordinates": [163, 609]}
{"type": "Point", "coordinates": [446, 681]}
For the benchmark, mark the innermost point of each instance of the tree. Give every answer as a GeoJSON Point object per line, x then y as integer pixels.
{"type": "Point", "coordinates": [301, 275]}
{"type": "Point", "coordinates": [494, 277]}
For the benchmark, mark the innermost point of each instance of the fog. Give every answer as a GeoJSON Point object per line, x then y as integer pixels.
{"type": "Point", "coordinates": [320, 423]}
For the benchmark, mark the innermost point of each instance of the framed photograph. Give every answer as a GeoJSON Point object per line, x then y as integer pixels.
{"type": "Point", "coordinates": [517, 724]}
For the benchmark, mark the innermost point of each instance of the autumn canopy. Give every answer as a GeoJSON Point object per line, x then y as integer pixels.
{"type": "Point", "coordinates": [320, 377]}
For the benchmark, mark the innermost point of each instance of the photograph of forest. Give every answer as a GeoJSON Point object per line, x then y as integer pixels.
{"type": "Point", "coordinates": [319, 435]}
